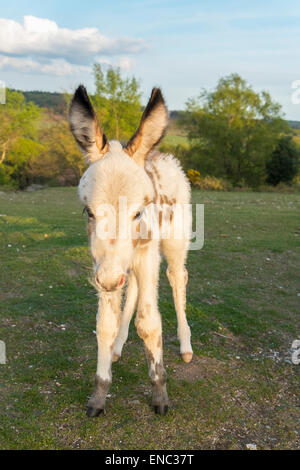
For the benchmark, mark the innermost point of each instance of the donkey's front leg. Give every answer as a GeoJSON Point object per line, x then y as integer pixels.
{"type": "Point", "coordinates": [108, 323]}
{"type": "Point", "coordinates": [149, 328]}
{"type": "Point", "coordinates": [148, 324]}
{"type": "Point", "coordinates": [129, 308]}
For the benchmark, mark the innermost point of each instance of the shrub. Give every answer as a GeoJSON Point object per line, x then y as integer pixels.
{"type": "Point", "coordinates": [296, 181]}
{"type": "Point", "coordinates": [5, 177]}
{"type": "Point", "coordinates": [208, 182]}
{"type": "Point", "coordinates": [284, 162]}
{"type": "Point", "coordinates": [194, 176]}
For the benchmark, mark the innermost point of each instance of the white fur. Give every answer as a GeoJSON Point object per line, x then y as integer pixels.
{"type": "Point", "coordinates": [115, 175]}
{"type": "Point", "coordinates": [143, 177]}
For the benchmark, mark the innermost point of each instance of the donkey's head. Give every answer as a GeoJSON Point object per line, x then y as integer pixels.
{"type": "Point", "coordinates": [115, 188]}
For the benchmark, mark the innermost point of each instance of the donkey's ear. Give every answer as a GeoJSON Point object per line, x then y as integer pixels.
{"type": "Point", "coordinates": [151, 129]}
{"type": "Point", "coordinates": [85, 128]}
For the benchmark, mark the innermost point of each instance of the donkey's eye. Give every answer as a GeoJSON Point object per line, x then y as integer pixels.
{"type": "Point", "coordinates": [138, 215]}
{"type": "Point", "coordinates": [89, 212]}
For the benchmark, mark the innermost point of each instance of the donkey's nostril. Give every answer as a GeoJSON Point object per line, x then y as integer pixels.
{"type": "Point", "coordinates": [121, 281]}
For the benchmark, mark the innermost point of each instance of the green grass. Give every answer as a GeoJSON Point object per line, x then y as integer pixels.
{"type": "Point", "coordinates": [172, 139]}
{"type": "Point", "coordinates": [296, 136]}
{"type": "Point", "coordinates": [243, 307]}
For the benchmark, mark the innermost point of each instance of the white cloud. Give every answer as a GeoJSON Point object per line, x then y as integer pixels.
{"type": "Point", "coordinates": [125, 63]}
{"type": "Point", "coordinates": [58, 67]}
{"type": "Point", "coordinates": [29, 45]}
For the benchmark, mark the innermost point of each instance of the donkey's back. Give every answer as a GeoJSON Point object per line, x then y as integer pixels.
{"type": "Point", "coordinates": [168, 178]}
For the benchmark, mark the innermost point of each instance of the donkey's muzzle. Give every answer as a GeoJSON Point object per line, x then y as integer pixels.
{"type": "Point", "coordinates": [109, 285]}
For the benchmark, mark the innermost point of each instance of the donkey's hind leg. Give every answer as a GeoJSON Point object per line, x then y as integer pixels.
{"type": "Point", "coordinates": [129, 308]}
{"type": "Point", "coordinates": [175, 253]}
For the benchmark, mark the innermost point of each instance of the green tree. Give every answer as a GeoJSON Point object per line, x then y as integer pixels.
{"type": "Point", "coordinates": [284, 162]}
{"type": "Point", "coordinates": [117, 102]}
{"type": "Point", "coordinates": [61, 153]}
{"type": "Point", "coordinates": [233, 130]}
{"type": "Point", "coordinates": [18, 134]}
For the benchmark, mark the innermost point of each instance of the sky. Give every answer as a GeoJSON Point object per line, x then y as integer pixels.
{"type": "Point", "coordinates": [181, 46]}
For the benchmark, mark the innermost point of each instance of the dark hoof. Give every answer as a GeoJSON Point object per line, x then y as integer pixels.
{"type": "Point", "coordinates": [161, 409]}
{"type": "Point", "coordinates": [92, 412]}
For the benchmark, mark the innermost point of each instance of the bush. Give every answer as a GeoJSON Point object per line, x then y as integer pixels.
{"type": "Point", "coordinates": [208, 182]}
{"type": "Point", "coordinates": [284, 162]}
{"type": "Point", "coordinates": [194, 176]}
{"type": "Point", "coordinates": [296, 182]}
{"type": "Point", "coordinates": [5, 177]}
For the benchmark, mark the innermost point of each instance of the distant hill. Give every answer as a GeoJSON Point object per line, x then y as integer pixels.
{"type": "Point", "coordinates": [56, 102]}
{"type": "Point", "coordinates": [294, 124]}
{"type": "Point", "coordinates": [46, 99]}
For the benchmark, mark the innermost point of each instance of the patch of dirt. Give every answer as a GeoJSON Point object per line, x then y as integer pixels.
{"type": "Point", "coordinates": [73, 272]}
{"type": "Point", "coordinates": [213, 301]}
{"type": "Point", "coordinates": [10, 295]}
{"type": "Point", "coordinates": [201, 367]}
{"type": "Point", "coordinates": [77, 269]}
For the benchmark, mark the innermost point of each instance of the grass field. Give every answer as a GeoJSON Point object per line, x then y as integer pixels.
{"type": "Point", "coordinates": [296, 136]}
{"type": "Point", "coordinates": [172, 139]}
{"type": "Point", "coordinates": [243, 308]}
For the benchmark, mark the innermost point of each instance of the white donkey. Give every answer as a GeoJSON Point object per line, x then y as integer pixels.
{"type": "Point", "coordinates": [144, 176]}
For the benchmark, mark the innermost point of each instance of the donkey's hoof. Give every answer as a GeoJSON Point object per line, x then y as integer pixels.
{"type": "Point", "coordinates": [161, 409]}
{"type": "Point", "coordinates": [115, 357]}
{"type": "Point", "coordinates": [187, 357]}
{"type": "Point", "coordinates": [93, 412]}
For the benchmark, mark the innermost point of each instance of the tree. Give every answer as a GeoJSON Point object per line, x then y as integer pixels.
{"type": "Point", "coordinates": [36, 145]}
{"type": "Point", "coordinates": [117, 102]}
{"type": "Point", "coordinates": [61, 152]}
{"type": "Point", "coordinates": [233, 130]}
{"type": "Point", "coordinates": [18, 133]}
{"type": "Point", "coordinates": [284, 162]}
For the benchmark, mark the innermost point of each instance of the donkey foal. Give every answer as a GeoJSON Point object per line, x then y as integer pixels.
{"type": "Point", "coordinates": [119, 187]}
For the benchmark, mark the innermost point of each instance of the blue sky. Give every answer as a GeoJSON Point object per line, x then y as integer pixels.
{"type": "Point", "coordinates": [182, 46]}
